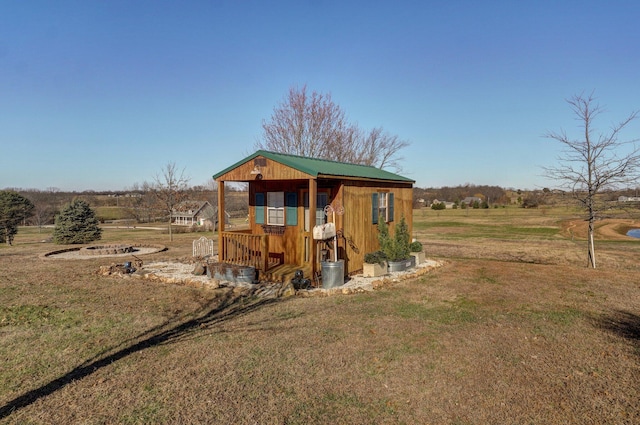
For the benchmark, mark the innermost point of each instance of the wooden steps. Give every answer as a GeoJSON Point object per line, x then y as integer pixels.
{"type": "Point", "coordinates": [284, 273]}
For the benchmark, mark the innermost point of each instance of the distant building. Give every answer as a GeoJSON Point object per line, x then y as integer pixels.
{"type": "Point", "coordinates": [447, 204]}
{"type": "Point", "coordinates": [470, 200]}
{"type": "Point", "coordinates": [628, 198]}
{"type": "Point", "coordinates": [194, 213]}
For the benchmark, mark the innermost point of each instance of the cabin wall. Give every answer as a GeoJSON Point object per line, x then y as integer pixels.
{"type": "Point", "coordinates": [358, 224]}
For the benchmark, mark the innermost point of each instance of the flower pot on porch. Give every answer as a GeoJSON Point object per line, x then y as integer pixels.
{"type": "Point", "coordinates": [374, 269]}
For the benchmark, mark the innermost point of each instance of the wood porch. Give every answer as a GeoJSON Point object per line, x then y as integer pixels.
{"type": "Point", "coordinates": [245, 249]}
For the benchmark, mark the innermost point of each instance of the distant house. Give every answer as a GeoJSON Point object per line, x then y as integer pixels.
{"type": "Point", "coordinates": [470, 200]}
{"type": "Point", "coordinates": [194, 213]}
{"type": "Point", "coordinates": [448, 205]}
{"type": "Point", "coordinates": [629, 199]}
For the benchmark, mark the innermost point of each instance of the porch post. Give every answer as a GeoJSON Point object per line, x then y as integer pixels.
{"type": "Point", "coordinates": [220, 219]}
{"type": "Point", "coordinates": [313, 205]}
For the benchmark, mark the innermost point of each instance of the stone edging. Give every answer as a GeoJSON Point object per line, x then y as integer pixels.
{"type": "Point", "coordinates": [51, 254]}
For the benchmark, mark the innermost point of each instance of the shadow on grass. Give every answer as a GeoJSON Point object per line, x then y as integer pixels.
{"type": "Point", "coordinates": [215, 312]}
{"type": "Point", "coordinates": [621, 323]}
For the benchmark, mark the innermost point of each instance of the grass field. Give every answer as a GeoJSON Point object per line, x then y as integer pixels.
{"type": "Point", "coordinates": [513, 329]}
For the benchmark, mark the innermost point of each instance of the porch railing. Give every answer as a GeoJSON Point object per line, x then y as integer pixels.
{"type": "Point", "coordinates": [245, 249]}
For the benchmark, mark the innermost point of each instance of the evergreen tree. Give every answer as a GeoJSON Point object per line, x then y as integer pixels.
{"type": "Point", "coordinates": [14, 208]}
{"type": "Point", "coordinates": [395, 248]}
{"type": "Point", "coordinates": [386, 243]}
{"type": "Point", "coordinates": [76, 224]}
{"type": "Point", "coordinates": [402, 240]}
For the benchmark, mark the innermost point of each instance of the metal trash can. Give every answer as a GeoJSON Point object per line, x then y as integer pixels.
{"type": "Point", "coordinates": [332, 273]}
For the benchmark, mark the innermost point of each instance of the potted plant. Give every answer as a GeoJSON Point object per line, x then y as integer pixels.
{"type": "Point", "coordinates": [416, 252]}
{"type": "Point", "coordinates": [375, 264]}
{"type": "Point", "coordinates": [397, 248]}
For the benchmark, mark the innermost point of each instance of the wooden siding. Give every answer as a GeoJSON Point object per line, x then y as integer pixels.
{"type": "Point", "coordinates": [270, 171]}
{"type": "Point", "coordinates": [358, 227]}
{"type": "Point", "coordinates": [360, 234]}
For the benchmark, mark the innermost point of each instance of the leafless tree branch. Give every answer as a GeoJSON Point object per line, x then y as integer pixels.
{"type": "Point", "coordinates": [313, 125]}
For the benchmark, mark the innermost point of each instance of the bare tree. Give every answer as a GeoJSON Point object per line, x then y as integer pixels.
{"type": "Point", "coordinates": [594, 162]}
{"type": "Point", "coordinates": [313, 125]}
{"type": "Point", "coordinates": [44, 207]}
{"type": "Point", "coordinates": [141, 202]}
{"type": "Point", "coordinates": [169, 189]}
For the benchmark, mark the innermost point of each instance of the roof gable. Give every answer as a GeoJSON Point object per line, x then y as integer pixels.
{"type": "Point", "coordinates": [190, 208]}
{"type": "Point", "coordinates": [321, 167]}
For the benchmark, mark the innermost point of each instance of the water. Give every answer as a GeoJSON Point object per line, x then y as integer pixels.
{"type": "Point", "coordinates": [634, 233]}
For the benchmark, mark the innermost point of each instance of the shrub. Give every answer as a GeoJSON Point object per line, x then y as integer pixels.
{"type": "Point", "coordinates": [375, 257]}
{"type": "Point", "coordinates": [76, 223]}
{"type": "Point", "coordinates": [402, 240]}
{"type": "Point", "coordinates": [415, 246]}
{"type": "Point", "coordinates": [386, 243]}
{"type": "Point", "coordinates": [396, 248]}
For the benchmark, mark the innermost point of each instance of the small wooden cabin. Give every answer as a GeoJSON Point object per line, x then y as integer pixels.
{"type": "Point", "coordinates": [291, 195]}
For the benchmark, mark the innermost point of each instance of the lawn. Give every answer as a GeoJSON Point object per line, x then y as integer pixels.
{"type": "Point", "coordinates": [512, 329]}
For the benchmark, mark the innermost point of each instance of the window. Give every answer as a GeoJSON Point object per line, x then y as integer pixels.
{"type": "Point", "coordinates": [275, 208]}
{"type": "Point", "coordinates": [322, 199]}
{"type": "Point", "coordinates": [381, 206]}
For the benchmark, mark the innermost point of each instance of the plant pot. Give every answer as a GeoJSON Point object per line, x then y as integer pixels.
{"type": "Point", "coordinates": [246, 274]}
{"type": "Point", "coordinates": [374, 270]}
{"type": "Point", "coordinates": [400, 266]}
{"type": "Point", "coordinates": [232, 273]}
{"type": "Point", "coordinates": [419, 257]}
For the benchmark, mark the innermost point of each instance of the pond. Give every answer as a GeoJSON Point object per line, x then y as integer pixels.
{"type": "Point", "coordinates": [634, 233]}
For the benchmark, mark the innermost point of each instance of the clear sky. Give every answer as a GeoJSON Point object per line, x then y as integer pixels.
{"type": "Point", "coordinates": [100, 95]}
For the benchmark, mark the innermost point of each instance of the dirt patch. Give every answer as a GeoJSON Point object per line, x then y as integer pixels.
{"type": "Point", "coordinates": [609, 229]}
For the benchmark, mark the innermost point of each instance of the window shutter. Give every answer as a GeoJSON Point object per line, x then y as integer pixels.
{"type": "Point", "coordinates": [374, 208]}
{"type": "Point", "coordinates": [390, 200]}
{"type": "Point", "coordinates": [291, 209]}
{"type": "Point", "coordinates": [259, 208]}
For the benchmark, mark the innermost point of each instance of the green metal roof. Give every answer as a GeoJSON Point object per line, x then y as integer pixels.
{"type": "Point", "coordinates": [322, 167]}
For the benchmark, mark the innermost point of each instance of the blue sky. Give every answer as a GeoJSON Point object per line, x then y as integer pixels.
{"type": "Point", "coordinates": [100, 95]}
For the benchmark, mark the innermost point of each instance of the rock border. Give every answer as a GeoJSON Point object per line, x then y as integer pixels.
{"type": "Point", "coordinates": [357, 284]}
{"type": "Point", "coordinates": [51, 255]}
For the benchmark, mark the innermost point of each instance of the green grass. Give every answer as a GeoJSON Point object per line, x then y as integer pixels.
{"type": "Point", "coordinates": [37, 315]}
{"type": "Point", "coordinates": [111, 213]}
{"type": "Point", "coordinates": [497, 230]}
{"type": "Point", "coordinates": [457, 312]}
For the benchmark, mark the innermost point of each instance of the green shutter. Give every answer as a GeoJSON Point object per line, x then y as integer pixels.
{"type": "Point", "coordinates": [390, 206]}
{"type": "Point", "coordinates": [259, 208]}
{"type": "Point", "coordinates": [291, 208]}
{"type": "Point", "coordinates": [374, 208]}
